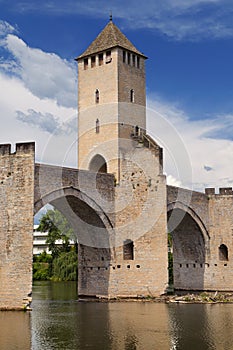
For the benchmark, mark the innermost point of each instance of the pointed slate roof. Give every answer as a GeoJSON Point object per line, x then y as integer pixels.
{"type": "Point", "coordinates": [110, 37]}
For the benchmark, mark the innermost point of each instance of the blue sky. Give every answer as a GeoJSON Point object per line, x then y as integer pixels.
{"type": "Point", "coordinates": [189, 74]}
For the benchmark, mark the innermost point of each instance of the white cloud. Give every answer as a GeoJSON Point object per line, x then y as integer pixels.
{"type": "Point", "coordinates": [6, 28]}
{"type": "Point", "coordinates": [46, 75]}
{"type": "Point", "coordinates": [37, 100]}
{"type": "Point", "coordinates": [172, 181]}
{"type": "Point", "coordinates": [52, 146]}
{"type": "Point", "coordinates": [199, 144]}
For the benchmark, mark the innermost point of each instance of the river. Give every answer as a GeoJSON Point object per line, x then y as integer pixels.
{"type": "Point", "coordinates": [59, 321]}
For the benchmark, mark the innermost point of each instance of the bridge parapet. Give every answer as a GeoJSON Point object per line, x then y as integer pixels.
{"type": "Point", "coordinates": [222, 191]}
{"type": "Point", "coordinates": [50, 178]}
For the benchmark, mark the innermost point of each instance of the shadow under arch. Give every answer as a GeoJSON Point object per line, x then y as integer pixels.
{"type": "Point", "coordinates": [190, 241]}
{"type": "Point", "coordinates": [186, 209]}
{"type": "Point", "coordinates": [94, 231]}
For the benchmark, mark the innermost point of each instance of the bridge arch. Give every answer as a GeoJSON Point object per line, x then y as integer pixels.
{"type": "Point", "coordinates": [190, 243]}
{"type": "Point", "coordinates": [54, 196]}
{"type": "Point", "coordinates": [186, 209]}
{"type": "Point", "coordinates": [94, 231]}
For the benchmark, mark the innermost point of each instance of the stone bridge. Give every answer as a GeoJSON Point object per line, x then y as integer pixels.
{"type": "Point", "coordinates": [78, 194]}
{"type": "Point", "coordinates": [201, 225]}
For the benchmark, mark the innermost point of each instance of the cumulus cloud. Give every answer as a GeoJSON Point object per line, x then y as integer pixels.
{"type": "Point", "coordinates": [47, 122]}
{"type": "Point", "coordinates": [172, 181]}
{"type": "Point", "coordinates": [35, 122]}
{"type": "Point", "coordinates": [37, 99]}
{"type": "Point", "coordinates": [197, 140]}
{"type": "Point", "coordinates": [6, 28]}
{"type": "Point", "coordinates": [46, 75]}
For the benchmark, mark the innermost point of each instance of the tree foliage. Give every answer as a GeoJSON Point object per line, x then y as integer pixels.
{"type": "Point", "coordinates": [61, 264]}
{"type": "Point", "coordinates": [65, 267]}
{"type": "Point", "coordinates": [58, 228]}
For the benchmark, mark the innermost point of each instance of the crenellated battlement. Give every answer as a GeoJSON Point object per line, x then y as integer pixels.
{"type": "Point", "coordinates": [5, 149]}
{"type": "Point", "coordinates": [25, 147]}
{"type": "Point", "coordinates": [22, 147]}
{"type": "Point", "coordinates": [222, 191]}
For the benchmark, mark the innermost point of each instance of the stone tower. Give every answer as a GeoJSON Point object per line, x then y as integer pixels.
{"type": "Point", "coordinates": [111, 100]}
{"type": "Point", "coordinates": [112, 138]}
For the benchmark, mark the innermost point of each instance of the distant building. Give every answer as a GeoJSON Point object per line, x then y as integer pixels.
{"type": "Point", "coordinates": [39, 242]}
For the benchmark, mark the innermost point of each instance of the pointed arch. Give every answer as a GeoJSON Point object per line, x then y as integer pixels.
{"type": "Point", "coordinates": [67, 192]}
{"type": "Point", "coordinates": [98, 164]}
{"type": "Point", "coordinates": [186, 209]}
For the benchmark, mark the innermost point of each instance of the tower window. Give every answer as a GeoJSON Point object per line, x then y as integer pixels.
{"type": "Point", "coordinates": [136, 130]}
{"type": "Point", "coordinates": [85, 63]}
{"type": "Point", "coordinates": [133, 60]}
{"type": "Point", "coordinates": [223, 252]}
{"type": "Point", "coordinates": [108, 57]}
{"type": "Point", "coordinates": [101, 59]}
{"type": "Point", "coordinates": [132, 95]}
{"type": "Point", "coordinates": [92, 61]}
{"type": "Point", "coordinates": [128, 57]}
{"type": "Point", "coordinates": [97, 126]}
{"type": "Point", "coordinates": [138, 62]}
{"type": "Point", "coordinates": [97, 96]}
{"type": "Point", "coordinates": [124, 56]}
{"type": "Point", "coordinates": [128, 250]}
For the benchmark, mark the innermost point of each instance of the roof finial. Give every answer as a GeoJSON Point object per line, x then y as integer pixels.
{"type": "Point", "coordinates": [110, 16]}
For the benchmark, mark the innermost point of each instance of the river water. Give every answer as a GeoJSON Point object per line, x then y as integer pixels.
{"type": "Point", "coordinates": [59, 321]}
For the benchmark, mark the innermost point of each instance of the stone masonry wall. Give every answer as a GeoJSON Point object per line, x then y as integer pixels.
{"type": "Point", "coordinates": [104, 79]}
{"type": "Point", "coordinates": [197, 265]}
{"type": "Point", "coordinates": [16, 217]}
{"type": "Point", "coordinates": [218, 272]}
{"type": "Point", "coordinates": [140, 217]}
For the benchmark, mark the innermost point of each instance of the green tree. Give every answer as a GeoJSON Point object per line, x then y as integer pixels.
{"type": "Point", "coordinates": [62, 264]}
{"type": "Point", "coordinates": [58, 228]}
{"type": "Point", "coordinates": [65, 267]}
{"type": "Point", "coordinates": [42, 267]}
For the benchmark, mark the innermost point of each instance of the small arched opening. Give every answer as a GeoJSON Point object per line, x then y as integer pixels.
{"type": "Point", "coordinates": [223, 252]}
{"type": "Point", "coordinates": [128, 250]}
{"type": "Point", "coordinates": [98, 164]}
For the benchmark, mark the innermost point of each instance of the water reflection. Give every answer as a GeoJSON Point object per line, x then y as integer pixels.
{"type": "Point", "coordinates": [59, 321]}
{"type": "Point", "coordinates": [203, 327]}
{"type": "Point", "coordinates": [15, 330]}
